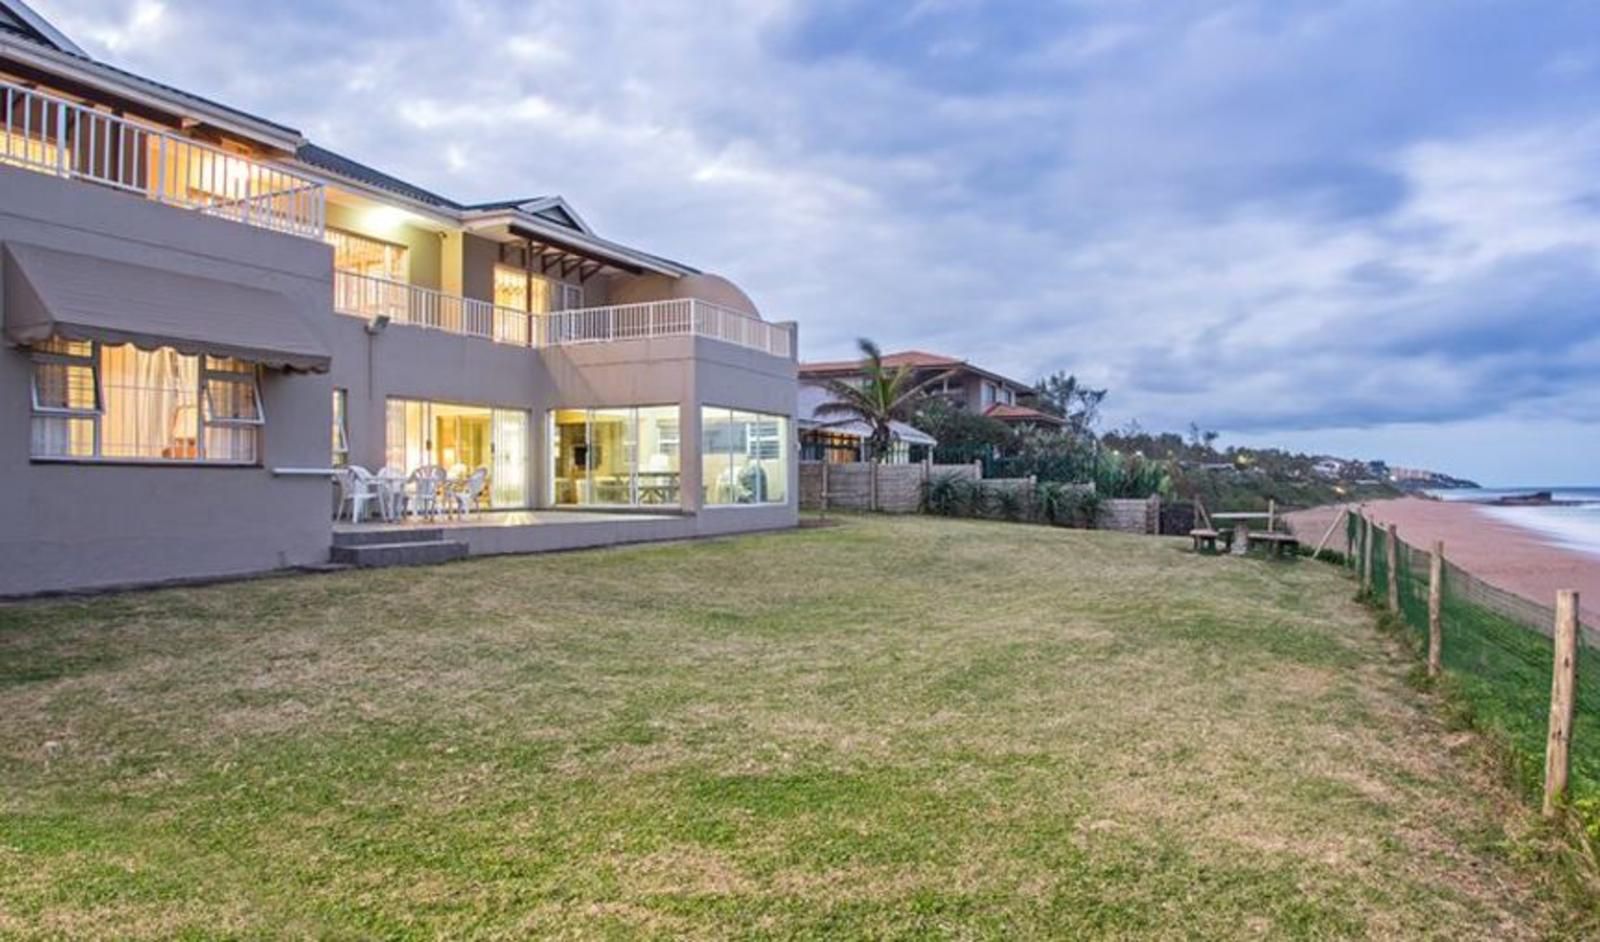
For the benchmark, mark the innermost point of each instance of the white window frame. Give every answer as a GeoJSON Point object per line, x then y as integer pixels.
{"type": "Point", "coordinates": [568, 293]}
{"type": "Point", "coordinates": [341, 427]}
{"type": "Point", "coordinates": [90, 362]}
{"type": "Point", "coordinates": [208, 376]}
{"type": "Point", "coordinates": [202, 420]}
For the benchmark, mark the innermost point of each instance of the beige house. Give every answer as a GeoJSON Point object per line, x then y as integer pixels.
{"type": "Point", "coordinates": [203, 315]}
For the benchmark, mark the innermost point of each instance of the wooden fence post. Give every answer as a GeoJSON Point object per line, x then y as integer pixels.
{"type": "Point", "coordinates": [825, 485]}
{"type": "Point", "coordinates": [1272, 514]}
{"type": "Point", "coordinates": [1350, 538]}
{"type": "Point", "coordinates": [1392, 557]}
{"type": "Point", "coordinates": [1366, 556]}
{"type": "Point", "coordinates": [1435, 603]}
{"type": "Point", "coordinates": [1563, 688]}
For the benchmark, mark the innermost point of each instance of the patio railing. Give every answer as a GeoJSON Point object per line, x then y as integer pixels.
{"type": "Point", "coordinates": [684, 317]}
{"type": "Point", "coordinates": [52, 135]}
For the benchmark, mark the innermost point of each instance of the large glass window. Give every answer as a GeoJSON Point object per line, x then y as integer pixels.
{"type": "Point", "coordinates": [744, 457]}
{"type": "Point", "coordinates": [462, 439]}
{"type": "Point", "coordinates": [521, 290]}
{"type": "Point", "coordinates": [615, 457]}
{"type": "Point", "coordinates": [120, 402]}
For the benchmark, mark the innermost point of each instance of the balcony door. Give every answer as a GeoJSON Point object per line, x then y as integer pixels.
{"type": "Point", "coordinates": [462, 439]}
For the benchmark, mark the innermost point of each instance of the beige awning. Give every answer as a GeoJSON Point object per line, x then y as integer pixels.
{"type": "Point", "coordinates": [49, 292]}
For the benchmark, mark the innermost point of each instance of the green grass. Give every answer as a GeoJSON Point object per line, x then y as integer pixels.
{"type": "Point", "coordinates": [893, 728]}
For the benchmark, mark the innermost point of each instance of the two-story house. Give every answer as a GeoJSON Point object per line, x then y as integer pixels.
{"type": "Point", "coordinates": [203, 313]}
{"type": "Point", "coordinates": [963, 384]}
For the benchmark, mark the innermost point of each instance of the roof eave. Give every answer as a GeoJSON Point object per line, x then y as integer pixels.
{"type": "Point", "coordinates": [43, 27]}
{"type": "Point", "coordinates": [544, 228]}
{"type": "Point", "coordinates": [92, 74]}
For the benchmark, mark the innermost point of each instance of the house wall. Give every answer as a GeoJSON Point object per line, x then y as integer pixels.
{"type": "Point", "coordinates": [66, 525]}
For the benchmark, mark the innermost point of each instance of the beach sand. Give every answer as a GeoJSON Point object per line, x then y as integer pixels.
{"type": "Point", "coordinates": [1499, 553]}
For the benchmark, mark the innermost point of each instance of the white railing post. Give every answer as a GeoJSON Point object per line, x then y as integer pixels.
{"type": "Point", "coordinates": [61, 139]}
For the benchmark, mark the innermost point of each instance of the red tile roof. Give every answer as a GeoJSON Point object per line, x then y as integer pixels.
{"type": "Point", "coordinates": [916, 359]}
{"type": "Point", "coordinates": [1007, 413]}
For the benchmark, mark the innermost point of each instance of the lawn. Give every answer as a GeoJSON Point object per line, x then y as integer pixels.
{"type": "Point", "coordinates": [889, 728]}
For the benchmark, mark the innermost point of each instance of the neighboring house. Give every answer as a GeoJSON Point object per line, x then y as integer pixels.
{"type": "Point", "coordinates": [970, 387]}
{"type": "Point", "coordinates": [1328, 468]}
{"type": "Point", "coordinates": [203, 311]}
{"type": "Point", "coordinates": [841, 440]}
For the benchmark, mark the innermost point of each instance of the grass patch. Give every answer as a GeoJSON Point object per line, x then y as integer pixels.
{"type": "Point", "coordinates": [894, 728]}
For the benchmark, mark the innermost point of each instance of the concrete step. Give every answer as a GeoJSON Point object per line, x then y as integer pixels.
{"type": "Point", "coordinates": [372, 537]}
{"type": "Point", "coordinates": [416, 553]}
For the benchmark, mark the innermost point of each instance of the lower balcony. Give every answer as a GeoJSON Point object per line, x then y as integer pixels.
{"type": "Point", "coordinates": [369, 297]}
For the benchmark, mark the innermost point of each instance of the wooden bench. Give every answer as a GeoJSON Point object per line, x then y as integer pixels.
{"type": "Point", "coordinates": [1207, 538]}
{"type": "Point", "coordinates": [1277, 543]}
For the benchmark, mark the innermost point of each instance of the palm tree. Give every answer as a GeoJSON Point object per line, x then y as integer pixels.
{"type": "Point", "coordinates": [881, 397]}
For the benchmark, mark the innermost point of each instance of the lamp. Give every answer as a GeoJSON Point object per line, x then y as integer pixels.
{"type": "Point", "coordinates": [378, 324]}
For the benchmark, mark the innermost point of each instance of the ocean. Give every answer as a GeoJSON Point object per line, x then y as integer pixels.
{"type": "Point", "coordinates": [1574, 527]}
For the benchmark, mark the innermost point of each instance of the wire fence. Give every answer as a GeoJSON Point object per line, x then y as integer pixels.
{"type": "Point", "coordinates": [1497, 651]}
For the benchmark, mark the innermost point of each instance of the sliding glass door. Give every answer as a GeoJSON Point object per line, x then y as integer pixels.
{"type": "Point", "coordinates": [617, 457]}
{"type": "Point", "coordinates": [461, 439]}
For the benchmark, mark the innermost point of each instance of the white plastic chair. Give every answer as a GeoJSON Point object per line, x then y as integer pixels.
{"type": "Point", "coordinates": [428, 494]}
{"type": "Point", "coordinates": [391, 493]}
{"type": "Point", "coordinates": [356, 488]}
{"type": "Point", "coordinates": [470, 491]}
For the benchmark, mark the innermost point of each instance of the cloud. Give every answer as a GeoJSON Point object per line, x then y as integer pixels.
{"type": "Point", "coordinates": [1261, 215]}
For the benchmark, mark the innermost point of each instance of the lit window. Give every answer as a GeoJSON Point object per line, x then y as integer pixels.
{"type": "Point", "coordinates": [744, 457]}
{"type": "Point", "coordinates": [122, 403]}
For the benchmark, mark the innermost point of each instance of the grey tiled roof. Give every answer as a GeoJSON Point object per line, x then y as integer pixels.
{"type": "Point", "coordinates": [334, 163]}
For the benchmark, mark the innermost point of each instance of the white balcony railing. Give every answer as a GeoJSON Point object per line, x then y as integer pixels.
{"type": "Point", "coordinates": [366, 296]}
{"type": "Point", "coordinates": [369, 297]}
{"type": "Point", "coordinates": [62, 138]}
{"type": "Point", "coordinates": [685, 317]}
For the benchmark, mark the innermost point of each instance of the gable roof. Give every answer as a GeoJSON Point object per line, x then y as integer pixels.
{"type": "Point", "coordinates": [20, 19]}
{"type": "Point", "coordinates": [1014, 413]}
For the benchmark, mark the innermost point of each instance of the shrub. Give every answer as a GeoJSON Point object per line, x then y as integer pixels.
{"type": "Point", "coordinates": [1007, 503]}
{"type": "Point", "coordinates": [943, 496]}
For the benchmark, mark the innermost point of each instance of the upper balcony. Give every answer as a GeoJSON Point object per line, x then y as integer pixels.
{"type": "Point", "coordinates": [369, 297]}
{"type": "Point", "coordinates": [53, 135]}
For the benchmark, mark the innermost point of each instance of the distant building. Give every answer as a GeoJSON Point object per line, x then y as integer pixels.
{"type": "Point", "coordinates": [968, 386]}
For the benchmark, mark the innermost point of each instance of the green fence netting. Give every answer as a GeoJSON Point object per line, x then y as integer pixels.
{"type": "Point", "coordinates": [1497, 653]}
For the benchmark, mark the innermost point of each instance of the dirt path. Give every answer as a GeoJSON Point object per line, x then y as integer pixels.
{"type": "Point", "coordinates": [1501, 554]}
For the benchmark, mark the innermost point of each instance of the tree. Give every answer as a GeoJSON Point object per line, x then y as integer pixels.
{"type": "Point", "coordinates": [880, 397]}
{"type": "Point", "coordinates": [962, 434]}
{"type": "Point", "coordinates": [1061, 394]}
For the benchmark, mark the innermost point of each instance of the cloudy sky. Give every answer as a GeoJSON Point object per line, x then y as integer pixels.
{"type": "Point", "coordinates": [1369, 226]}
